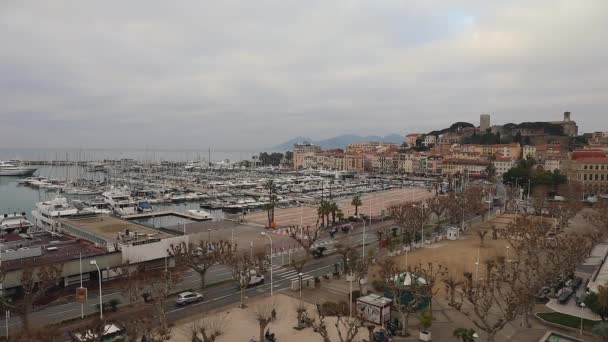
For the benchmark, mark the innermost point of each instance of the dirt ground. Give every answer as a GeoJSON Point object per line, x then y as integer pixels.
{"type": "Point", "coordinates": [240, 324]}
{"type": "Point", "coordinates": [374, 203]}
{"type": "Point", "coordinates": [460, 256]}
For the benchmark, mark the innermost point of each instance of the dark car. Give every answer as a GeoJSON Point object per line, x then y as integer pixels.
{"type": "Point", "coordinates": [318, 252]}
{"type": "Point", "coordinates": [564, 295]}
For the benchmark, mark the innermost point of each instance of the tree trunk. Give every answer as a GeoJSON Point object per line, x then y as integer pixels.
{"type": "Point", "coordinates": [243, 296]}
{"type": "Point", "coordinates": [202, 276]}
{"type": "Point", "coordinates": [269, 219]}
{"type": "Point", "coordinates": [356, 210]}
{"type": "Point", "coordinates": [525, 317]}
{"type": "Point", "coordinates": [490, 337]}
{"type": "Point", "coordinates": [27, 308]}
{"type": "Point", "coordinates": [262, 328]}
{"type": "Point", "coordinates": [404, 319]}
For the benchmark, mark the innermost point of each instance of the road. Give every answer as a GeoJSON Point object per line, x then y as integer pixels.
{"type": "Point", "coordinates": [215, 296]}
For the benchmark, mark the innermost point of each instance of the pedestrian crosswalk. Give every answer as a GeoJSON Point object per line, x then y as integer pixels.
{"type": "Point", "coordinates": [289, 274]}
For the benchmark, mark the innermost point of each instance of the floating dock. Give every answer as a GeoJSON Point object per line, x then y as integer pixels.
{"type": "Point", "coordinates": [166, 213]}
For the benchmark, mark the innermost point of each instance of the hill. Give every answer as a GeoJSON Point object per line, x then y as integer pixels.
{"type": "Point", "coordinates": [338, 142]}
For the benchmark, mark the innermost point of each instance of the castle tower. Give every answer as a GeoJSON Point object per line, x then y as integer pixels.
{"type": "Point", "coordinates": [566, 116]}
{"type": "Point", "coordinates": [484, 122]}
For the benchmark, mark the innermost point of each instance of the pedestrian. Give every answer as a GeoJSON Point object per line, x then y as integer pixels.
{"type": "Point", "coordinates": [273, 314]}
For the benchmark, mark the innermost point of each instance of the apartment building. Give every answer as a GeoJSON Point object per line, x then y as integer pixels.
{"type": "Point", "coordinates": [371, 146]}
{"type": "Point", "coordinates": [503, 164]}
{"type": "Point", "coordinates": [590, 169]}
{"type": "Point", "coordinates": [473, 167]}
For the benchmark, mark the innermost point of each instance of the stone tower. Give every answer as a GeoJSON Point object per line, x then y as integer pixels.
{"type": "Point", "coordinates": [566, 116]}
{"type": "Point", "coordinates": [484, 122]}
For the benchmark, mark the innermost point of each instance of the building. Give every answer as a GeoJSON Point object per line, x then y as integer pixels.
{"type": "Point", "coordinates": [301, 151]}
{"type": "Point", "coordinates": [569, 127]}
{"type": "Point", "coordinates": [473, 167]}
{"type": "Point", "coordinates": [429, 140]}
{"type": "Point", "coordinates": [484, 122]}
{"type": "Point", "coordinates": [371, 146]}
{"type": "Point", "coordinates": [503, 164]}
{"type": "Point", "coordinates": [590, 169]}
{"type": "Point", "coordinates": [552, 164]}
{"type": "Point", "coordinates": [411, 139]}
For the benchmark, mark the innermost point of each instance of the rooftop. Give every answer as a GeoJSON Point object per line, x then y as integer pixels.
{"type": "Point", "coordinates": [109, 227]}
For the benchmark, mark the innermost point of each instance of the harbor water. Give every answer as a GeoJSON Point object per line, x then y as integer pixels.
{"type": "Point", "coordinates": [19, 198]}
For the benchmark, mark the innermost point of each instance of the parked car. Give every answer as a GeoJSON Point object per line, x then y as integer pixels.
{"type": "Point", "coordinates": [318, 252]}
{"type": "Point", "coordinates": [185, 298]}
{"type": "Point", "coordinates": [564, 295]}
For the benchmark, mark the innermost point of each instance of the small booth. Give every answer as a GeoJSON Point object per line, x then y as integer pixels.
{"type": "Point", "coordinates": [453, 233]}
{"type": "Point", "coordinates": [374, 308]}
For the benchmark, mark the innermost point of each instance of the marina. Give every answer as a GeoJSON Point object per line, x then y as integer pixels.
{"type": "Point", "coordinates": [192, 190]}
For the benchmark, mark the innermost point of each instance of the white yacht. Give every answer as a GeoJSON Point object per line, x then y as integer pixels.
{"type": "Point", "coordinates": [47, 212]}
{"type": "Point", "coordinates": [14, 223]}
{"type": "Point", "coordinates": [199, 213]}
{"type": "Point", "coordinates": [120, 201]}
{"type": "Point", "coordinates": [9, 169]}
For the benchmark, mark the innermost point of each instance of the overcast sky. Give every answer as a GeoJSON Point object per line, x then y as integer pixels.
{"type": "Point", "coordinates": [248, 74]}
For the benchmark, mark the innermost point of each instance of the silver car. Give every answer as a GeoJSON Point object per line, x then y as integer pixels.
{"type": "Point", "coordinates": [188, 297]}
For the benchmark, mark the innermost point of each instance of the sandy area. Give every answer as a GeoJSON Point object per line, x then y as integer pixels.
{"type": "Point", "coordinates": [374, 202]}
{"type": "Point", "coordinates": [241, 326]}
{"type": "Point", "coordinates": [459, 256]}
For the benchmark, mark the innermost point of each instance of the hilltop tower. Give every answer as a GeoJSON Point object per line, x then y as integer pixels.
{"type": "Point", "coordinates": [484, 122]}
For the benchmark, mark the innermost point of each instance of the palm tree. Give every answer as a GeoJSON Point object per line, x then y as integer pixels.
{"type": "Point", "coordinates": [271, 187]}
{"type": "Point", "coordinates": [356, 202]}
{"type": "Point", "coordinates": [321, 211]}
{"type": "Point", "coordinates": [340, 215]}
{"type": "Point", "coordinates": [464, 334]}
{"type": "Point", "coordinates": [333, 209]}
{"type": "Point", "coordinates": [482, 236]}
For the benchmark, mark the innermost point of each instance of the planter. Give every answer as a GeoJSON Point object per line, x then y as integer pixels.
{"type": "Point", "coordinates": [425, 335]}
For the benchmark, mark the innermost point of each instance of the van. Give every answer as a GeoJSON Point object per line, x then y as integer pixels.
{"type": "Point", "coordinates": [52, 249]}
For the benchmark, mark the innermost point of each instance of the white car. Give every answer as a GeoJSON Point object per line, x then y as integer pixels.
{"type": "Point", "coordinates": [256, 279]}
{"type": "Point", "coordinates": [185, 298]}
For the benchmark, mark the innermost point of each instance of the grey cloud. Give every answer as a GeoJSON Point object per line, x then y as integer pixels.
{"type": "Point", "coordinates": [245, 75]}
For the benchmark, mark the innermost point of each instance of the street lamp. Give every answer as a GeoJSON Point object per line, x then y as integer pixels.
{"type": "Point", "coordinates": [268, 236]}
{"type": "Point", "coordinates": [582, 307]}
{"type": "Point", "coordinates": [94, 262]}
{"type": "Point", "coordinates": [363, 246]}
{"type": "Point", "coordinates": [300, 276]}
{"type": "Point", "coordinates": [350, 293]}
{"type": "Point", "coordinates": [507, 259]}
{"type": "Point", "coordinates": [422, 222]}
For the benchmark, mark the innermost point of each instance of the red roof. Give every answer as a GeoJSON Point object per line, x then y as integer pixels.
{"type": "Point", "coordinates": [579, 154]}
{"type": "Point", "coordinates": [592, 160]}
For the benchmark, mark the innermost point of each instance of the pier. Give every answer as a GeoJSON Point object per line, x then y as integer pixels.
{"type": "Point", "coordinates": [166, 213]}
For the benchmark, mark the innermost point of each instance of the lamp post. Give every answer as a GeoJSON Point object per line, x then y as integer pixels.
{"type": "Point", "coordinates": [363, 246]}
{"type": "Point", "coordinates": [268, 236]}
{"type": "Point", "coordinates": [582, 307]}
{"type": "Point", "coordinates": [477, 268]}
{"type": "Point", "coordinates": [507, 259]}
{"type": "Point", "coordinates": [94, 262]}
{"type": "Point", "coordinates": [350, 293]}
{"type": "Point", "coordinates": [300, 276]}
{"type": "Point", "coordinates": [421, 223]}
{"type": "Point", "coordinates": [80, 267]}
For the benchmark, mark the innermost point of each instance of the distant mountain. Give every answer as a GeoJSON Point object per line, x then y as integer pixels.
{"type": "Point", "coordinates": [339, 142]}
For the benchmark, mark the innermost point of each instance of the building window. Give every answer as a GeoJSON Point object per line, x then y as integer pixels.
{"type": "Point", "coordinates": [585, 167]}
{"type": "Point", "coordinates": [596, 176]}
{"type": "Point", "coordinates": [585, 176]}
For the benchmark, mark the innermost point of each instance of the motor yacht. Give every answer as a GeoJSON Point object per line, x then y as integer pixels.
{"type": "Point", "coordinates": [47, 212]}
{"type": "Point", "coordinates": [10, 223]}
{"type": "Point", "coordinates": [120, 201]}
{"type": "Point", "coordinates": [199, 213]}
{"type": "Point", "coordinates": [10, 169]}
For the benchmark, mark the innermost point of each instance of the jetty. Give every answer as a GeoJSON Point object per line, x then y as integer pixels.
{"type": "Point", "coordinates": [166, 213]}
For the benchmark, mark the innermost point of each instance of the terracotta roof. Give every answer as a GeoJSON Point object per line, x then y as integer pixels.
{"type": "Point", "coordinates": [592, 160]}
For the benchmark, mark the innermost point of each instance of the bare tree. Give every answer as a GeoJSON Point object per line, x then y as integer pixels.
{"type": "Point", "coordinates": [145, 328]}
{"type": "Point", "coordinates": [598, 216]}
{"type": "Point", "coordinates": [408, 290]}
{"type": "Point", "coordinates": [438, 206]}
{"type": "Point", "coordinates": [243, 269]}
{"type": "Point", "coordinates": [452, 287]}
{"type": "Point", "coordinates": [491, 308]}
{"type": "Point", "coordinates": [539, 199]}
{"type": "Point", "coordinates": [155, 286]}
{"type": "Point", "coordinates": [306, 238]}
{"type": "Point", "coordinates": [209, 329]}
{"type": "Point", "coordinates": [264, 314]}
{"type": "Point", "coordinates": [410, 217]}
{"type": "Point", "coordinates": [202, 256]}
{"type": "Point", "coordinates": [35, 282]}
{"type": "Point", "coordinates": [432, 273]}
{"type": "Point", "coordinates": [346, 327]}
